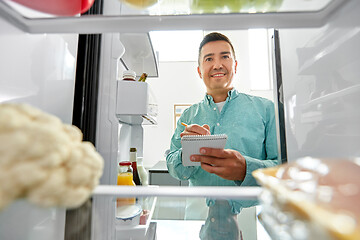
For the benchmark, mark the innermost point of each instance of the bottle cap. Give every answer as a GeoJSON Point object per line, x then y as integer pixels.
{"type": "Point", "coordinates": [125, 163]}
{"type": "Point", "coordinates": [132, 149]}
{"type": "Point", "coordinates": [129, 74]}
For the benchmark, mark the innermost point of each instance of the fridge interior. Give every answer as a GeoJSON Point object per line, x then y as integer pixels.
{"type": "Point", "coordinates": [319, 44]}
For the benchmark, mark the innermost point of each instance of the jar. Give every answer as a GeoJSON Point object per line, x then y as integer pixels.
{"type": "Point", "coordinates": [125, 174]}
{"type": "Point", "coordinates": [125, 177]}
{"type": "Point", "coordinates": [129, 75]}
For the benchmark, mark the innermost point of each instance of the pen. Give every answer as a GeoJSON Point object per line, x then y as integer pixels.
{"type": "Point", "coordinates": [184, 124]}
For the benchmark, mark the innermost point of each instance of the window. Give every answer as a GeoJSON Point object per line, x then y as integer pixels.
{"type": "Point", "coordinates": [176, 46]}
{"type": "Point", "coordinates": [259, 59]}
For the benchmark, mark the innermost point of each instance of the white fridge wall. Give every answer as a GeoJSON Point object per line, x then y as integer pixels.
{"type": "Point", "coordinates": [38, 70]}
{"type": "Point", "coordinates": [23, 220]}
{"type": "Point", "coordinates": [321, 78]}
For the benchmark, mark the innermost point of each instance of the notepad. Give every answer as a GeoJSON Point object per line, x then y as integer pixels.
{"type": "Point", "coordinates": [191, 144]}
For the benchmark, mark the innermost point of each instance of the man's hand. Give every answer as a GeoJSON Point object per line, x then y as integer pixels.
{"type": "Point", "coordinates": [195, 129]}
{"type": "Point", "coordinates": [226, 163]}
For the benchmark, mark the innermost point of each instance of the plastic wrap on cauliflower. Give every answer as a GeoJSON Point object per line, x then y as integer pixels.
{"type": "Point", "coordinates": [44, 160]}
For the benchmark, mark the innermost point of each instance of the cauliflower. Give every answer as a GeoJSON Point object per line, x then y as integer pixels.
{"type": "Point", "coordinates": [44, 160]}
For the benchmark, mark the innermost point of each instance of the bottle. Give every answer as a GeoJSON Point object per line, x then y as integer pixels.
{"type": "Point", "coordinates": [129, 75]}
{"type": "Point", "coordinates": [143, 174]}
{"type": "Point", "coordinates": [133, 157]}
{"type": "Point", "coordinates": [125, 177]}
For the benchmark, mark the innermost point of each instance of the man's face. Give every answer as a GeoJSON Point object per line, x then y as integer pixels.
{"type": "Point", "coordinates": [217, 66]}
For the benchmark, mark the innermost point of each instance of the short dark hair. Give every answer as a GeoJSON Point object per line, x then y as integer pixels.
{"type": "Point", "coordinates": [215, 36]}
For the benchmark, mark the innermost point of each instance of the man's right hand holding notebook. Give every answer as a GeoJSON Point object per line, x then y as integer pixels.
{"type": "Point", "coordinates": [226, 163]}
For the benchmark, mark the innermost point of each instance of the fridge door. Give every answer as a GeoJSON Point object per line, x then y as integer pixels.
{"type": "Point", "coordinates": [38, 70]}
{"type": "Point", "coordinates": [321, 84]}
{"type": "Point", "coordinates": [320, 77]}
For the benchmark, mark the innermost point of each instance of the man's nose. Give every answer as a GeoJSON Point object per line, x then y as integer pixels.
{"type": "Point", "coordinates": [217, 64]}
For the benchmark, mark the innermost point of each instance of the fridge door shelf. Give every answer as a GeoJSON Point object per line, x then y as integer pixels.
{"type": "Point", "coordinates": [135, 21]}
{"type": "Point", "coordinates": [135, 103]}
{"type": "Point", "coordinates": [138, 231]}
{"type": "Point", "coordinates": [137, 120]}
{"type": "Point", "coordinates": [139, 54]}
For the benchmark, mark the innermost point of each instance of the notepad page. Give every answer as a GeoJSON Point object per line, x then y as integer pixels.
{"type": "Point", "coordinates": [191, 144]}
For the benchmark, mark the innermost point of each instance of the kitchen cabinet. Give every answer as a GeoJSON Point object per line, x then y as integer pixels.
{"type": "Point", "coordinates": [167, 207]}
{"type": "Point", "coordinates": [159, 175]}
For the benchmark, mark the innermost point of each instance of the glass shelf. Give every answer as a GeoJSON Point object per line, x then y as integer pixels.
{"type": "Point", "coordinates": [179, 15]}
{"type": "Point", "coordinates": [243, 193]}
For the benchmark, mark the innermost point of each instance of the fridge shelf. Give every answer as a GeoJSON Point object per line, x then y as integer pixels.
{"type": "Point", "coordinates": [244, 193]}
{"type": "Point", "coordinates": [314, 60]}
{"type": "Point", "coordinates": [145, 21]}
{"type": "Point", "coordinates": [353, 90]}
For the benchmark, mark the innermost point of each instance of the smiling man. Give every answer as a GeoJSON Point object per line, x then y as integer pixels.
{"type": "Point", "coordinates": [217, 67]}
{"type": "Point", "coordinates": [248, 121]}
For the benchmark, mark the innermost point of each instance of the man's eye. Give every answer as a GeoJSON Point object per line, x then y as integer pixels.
{"type": "Point", "coordinates": [226, 56]}
{"type": "Point", "coordinates": [208, 59]}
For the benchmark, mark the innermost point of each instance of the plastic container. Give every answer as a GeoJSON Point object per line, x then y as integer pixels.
{"type": "Point", "coordinates": [125, 177]}
{"type": "Point", "coordinates": [133, 160]}
{"type": "Point", "coordinates": [129, 75]}
{"type": "Point", "coordinates": [129, 215]}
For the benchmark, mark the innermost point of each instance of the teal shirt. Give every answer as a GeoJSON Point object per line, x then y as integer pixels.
{"type": "Point", "coordinates": [249, 123]}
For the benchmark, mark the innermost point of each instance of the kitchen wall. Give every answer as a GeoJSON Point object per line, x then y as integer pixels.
{"type": "Point", "coordinates": [179, 83]}
{"type": "Point", "coordinates": [33, 67]}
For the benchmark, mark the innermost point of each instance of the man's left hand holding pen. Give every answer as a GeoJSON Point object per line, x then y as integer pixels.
{"type": "Point", "coordinates": [195, 129]}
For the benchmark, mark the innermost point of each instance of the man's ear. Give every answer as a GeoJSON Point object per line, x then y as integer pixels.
{"type": "Point", "coordinates": [235, 66]}
{"type": "Point", "coordinates": [199, 72]}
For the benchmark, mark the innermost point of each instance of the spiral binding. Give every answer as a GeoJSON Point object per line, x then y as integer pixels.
{"type": "Point", "coordinates": [203, 137]}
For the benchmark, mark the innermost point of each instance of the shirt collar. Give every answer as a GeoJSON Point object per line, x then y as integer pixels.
{"type": "Point", "coordinates": [233, 93]}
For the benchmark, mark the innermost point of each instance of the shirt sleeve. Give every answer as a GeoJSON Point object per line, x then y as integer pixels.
{"type": "Point", "coordinates": [252, 163]}
{"type": "Point", "coordinates": [271, 149]}
{"type": "Point", "coordinates": [174, 160]}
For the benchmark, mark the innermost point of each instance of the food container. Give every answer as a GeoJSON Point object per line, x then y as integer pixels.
{"type": "Point", "coordinates": [128, 215]}
{"type": "Point", "coordinates": [311, 198]}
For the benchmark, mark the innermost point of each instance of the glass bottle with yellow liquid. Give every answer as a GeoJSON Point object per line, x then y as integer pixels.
{"type": "Point", "coordinates": [125, 177]}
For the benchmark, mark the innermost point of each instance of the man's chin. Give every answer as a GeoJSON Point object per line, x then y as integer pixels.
{"type": "Point", "coordinates": [220, 85]}
{"type": "Point", "coordinates": [220, 88]}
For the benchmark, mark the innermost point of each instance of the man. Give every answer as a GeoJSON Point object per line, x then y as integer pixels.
{"type": "Point", "coordinates": [248, 121]}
